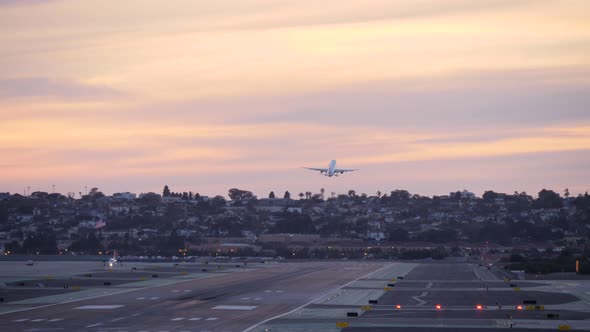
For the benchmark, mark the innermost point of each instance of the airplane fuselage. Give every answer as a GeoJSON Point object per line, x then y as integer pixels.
{"type": "Point", "coordinates": [331, 168]}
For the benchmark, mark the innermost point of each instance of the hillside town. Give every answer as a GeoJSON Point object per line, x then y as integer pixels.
{"type": "Point", "coordinates": [397, 224]}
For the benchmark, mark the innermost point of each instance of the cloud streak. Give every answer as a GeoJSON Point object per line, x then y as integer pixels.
{"type": "Point", "coordinates": [44, 87]}
{"type": "Point", "coordinates": [426, 95]}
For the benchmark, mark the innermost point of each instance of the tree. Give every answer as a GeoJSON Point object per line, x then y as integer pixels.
{"type": "Point", "coordinates": [548, 199]}
{"type": "Point", "coordinates": [351, 193]}
{"type": "Point", "coordinates": [287, 195]}
{"type": "Point", "coordinates": [398, 234]}
{"type": "Point", "coordinates": [301, 195]}
{"type": "Point", "coordinates": [42, 242]}
{"type": "Point", "coordinates": [150, 200]}
{"type": "Point", "coordinates": [218, 202]}
{"type": "Point", "coordinates": [295, 223]}
{"type": "Point", "coordinates": [166, 191]}
{"type": "Point", "coordinates": [566, 193]}
{"type": "Point", "coordinates": [12, 247]}
{"type": "Point", "coordinates": [236, 194]}
{"type": "Point", "coordinates": [489, 196]}
{"type": "Point", "coordinates": [399, 195]}
{"type": "Point", "coordinates": [271, 195]}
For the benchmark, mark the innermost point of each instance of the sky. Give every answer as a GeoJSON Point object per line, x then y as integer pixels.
{"type": "Point", "coordinates": [429, 96]}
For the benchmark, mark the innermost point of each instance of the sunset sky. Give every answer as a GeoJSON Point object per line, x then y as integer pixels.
{"type": "Point", "coordinates": [427, 95]}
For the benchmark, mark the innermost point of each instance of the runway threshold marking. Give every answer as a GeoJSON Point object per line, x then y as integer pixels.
{"type": "Point", "coordinates": [234, 307]}
{"type": "Point", "coordinates": [99, 307]}
{"type": "Point", "coordinates": [317, 298]}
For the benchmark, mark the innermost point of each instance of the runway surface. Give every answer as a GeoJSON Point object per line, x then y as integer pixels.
{"type": "Point", "coordinates": [443, 296]}
{"type": "Point", "coordinates": [231, 299]}
{"type": "Point", "coordinates": [294, 296]}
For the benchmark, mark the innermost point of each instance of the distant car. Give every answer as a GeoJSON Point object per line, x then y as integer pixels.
{"type": "Point", "coordinates": [30, 263]}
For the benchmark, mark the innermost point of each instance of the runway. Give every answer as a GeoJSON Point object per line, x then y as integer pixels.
{"type": "Point", "coordinates": [294, 296]}
{"type": "Point", "coordinates": [443, 296]}
{"type": "Point", "coordinates": [229, 300]}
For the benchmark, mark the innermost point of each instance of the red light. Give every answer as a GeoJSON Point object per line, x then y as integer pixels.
{"type": "Point", "coordinates": [398, 306]}
{"type": "Point", "coordinates": [479, 307]}
{"type": "Point", "coordinates": [518, 307]}
{"type": "Point", "coordinates": [438, 307]}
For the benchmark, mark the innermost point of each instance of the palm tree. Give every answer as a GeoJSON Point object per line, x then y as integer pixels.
{"type": "Point", "coordinates": [301, 195]}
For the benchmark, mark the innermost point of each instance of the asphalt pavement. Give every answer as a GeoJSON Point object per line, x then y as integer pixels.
{"type": "Point", "coordinates": [229, 300]}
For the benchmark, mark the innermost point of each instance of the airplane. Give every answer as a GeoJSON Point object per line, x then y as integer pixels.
{"type": "Point", "coordinates": [332, 170]}
{"type": "Point", "coordinates": [114, 260]}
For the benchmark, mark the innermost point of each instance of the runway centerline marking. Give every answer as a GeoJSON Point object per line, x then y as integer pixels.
{"type": "Point", "coordinates": [211, 318]}
{"type": "Point", "coordinates": [234, 307]}
{"type": "Point", "coordinates": [99, 307]}
{"type": "Point", "coordinates": [177, 319]}
{"type": "Point", "coordinates": [195, 318]}
{"type": "Point", "coordinates": [20, 320]}
{"type": "Point", "coordinates": [55, 320]}
{"type": "Point", "coordinates": [38, 320]}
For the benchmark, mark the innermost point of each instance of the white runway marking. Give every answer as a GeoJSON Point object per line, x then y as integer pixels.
{"type": "Point", "coordinates": [175, 291]}
{"type": "Point", "coordinates": [140, 298]}
{"type": "Point", "coordinates": [55, 320]}
{"type": "Point", "coordinates": [20, 320]}
{"type": "Point", "coordinates": [177, 319]}
{"type": "Point", "coordinates": [267, 291]}
{"type": "Point", "coordinates": [195, 318]}
{"type": "Point", "coordinates": [100, 307]}
{"type": "Point", "coordinates": [93, 325]}
{"type": "Point", "coordinates": [234, 307]}
{"type": "Point", "coordinates": [279, 291]}
{"type": "Point", "coordinates": [211, 318]}
{"type": "Point", "coordinates": [258, 299]}
{"type": "Point", "coordinates": [154, 298]}
{"type": "Point", "coordinates": [117, 319]}
{"type": "Point", "coordinates": [187, 290]}
{"type": "Point", "coordinates": [38, 320]}
{"type": "Point", "coordinates": [245, 298]}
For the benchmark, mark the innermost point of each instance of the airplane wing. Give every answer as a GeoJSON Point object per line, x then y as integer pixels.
{"type": "Point", "coordinates": [342, 171]}
{"type": "Point", "coordinates": [321, 170]}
